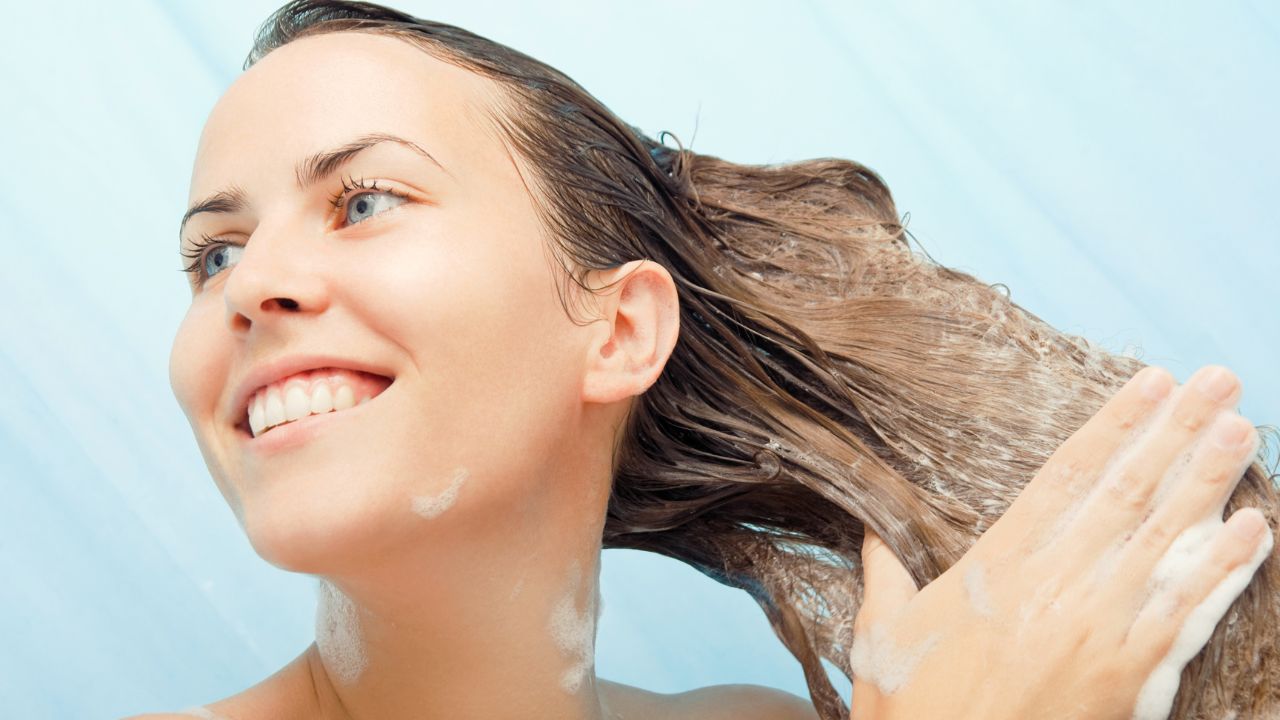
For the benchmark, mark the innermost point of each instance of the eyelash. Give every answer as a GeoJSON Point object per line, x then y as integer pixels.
{"type": "Point", "coordinates": [338, 200]}
{"type": "Point", "coordinates": [349, 185]}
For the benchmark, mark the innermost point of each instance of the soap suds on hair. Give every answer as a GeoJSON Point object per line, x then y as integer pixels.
{"type": "Point", "coordinates": [430, 506]}
{"type": "Point", "coordinates": [975, 585]}
{"type": "Point", "coordinates": [338, 634]}
{"type": "Point", "coordinates": [1187, 553]}
{"type": "Point", "coordinates": [876, 659]}
{"type": "Point", "coordinates": [575, 632]}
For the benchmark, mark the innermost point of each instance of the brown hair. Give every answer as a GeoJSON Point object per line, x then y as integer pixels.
{"type": "Point", "coordinates": [826, 376]}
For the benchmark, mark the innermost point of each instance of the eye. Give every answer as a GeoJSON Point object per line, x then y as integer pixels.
{"type": "Point", "coordinates": [209, 257]}
{"type": "Point", "coordinates": [220, 257]}
{"type": "Point", "coordinates": [366, 205]}
{"type": "Point", "coordinates": [359, 206]}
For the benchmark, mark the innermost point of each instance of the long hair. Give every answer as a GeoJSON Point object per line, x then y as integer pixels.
{"type": "Point", "coordinates": [826, 378]}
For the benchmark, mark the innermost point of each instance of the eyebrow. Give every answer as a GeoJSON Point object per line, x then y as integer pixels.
{"type": "Point", "coordinates": [308, 172]}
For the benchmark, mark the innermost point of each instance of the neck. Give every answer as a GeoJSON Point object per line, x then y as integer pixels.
{"type": "Point", "coordinates": [512, 635]}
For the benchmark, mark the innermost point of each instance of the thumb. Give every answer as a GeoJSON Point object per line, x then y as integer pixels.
{"type": "Point", "coordinates": [887, 584]}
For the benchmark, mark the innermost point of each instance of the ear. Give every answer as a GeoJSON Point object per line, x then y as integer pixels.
{"type": "Point", "coordinates": [637, 328]}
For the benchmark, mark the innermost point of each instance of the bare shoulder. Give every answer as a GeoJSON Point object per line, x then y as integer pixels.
{"type": "Point", "coordinates": [204, 712]}
{"type": "Point", "coordinates": [161, 716]}
{"type": "Point", "coordinates": [196, 712]}
{"type": "Point", "coordinates": [286, 695]}
{"type": "Point", "coordinates": [744, 702]}
{"type": "Point", "coordinates": [716, 702]}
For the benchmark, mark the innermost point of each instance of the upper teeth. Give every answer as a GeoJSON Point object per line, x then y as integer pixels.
{"type": "Point", "coordinates": [268, 408]}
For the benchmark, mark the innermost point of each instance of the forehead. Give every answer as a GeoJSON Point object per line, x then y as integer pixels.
{"type": "Point", "coordinates": [323, 91]}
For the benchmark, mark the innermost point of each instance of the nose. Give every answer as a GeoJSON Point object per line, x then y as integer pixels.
{"type": "Point", "coordinates": [275, 278]}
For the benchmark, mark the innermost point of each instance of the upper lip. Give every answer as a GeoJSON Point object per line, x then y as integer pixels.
{"type": "Point", "coordinates": [282, 367]}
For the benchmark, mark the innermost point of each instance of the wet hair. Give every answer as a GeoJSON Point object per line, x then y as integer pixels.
{"type": "Point", "coordinates": [826, 377]}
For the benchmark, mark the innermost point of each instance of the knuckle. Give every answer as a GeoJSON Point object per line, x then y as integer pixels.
{"type": "Point", "coordinates": [1128, 416]}
{"type": "Point", "coordinates": [1189, 419]}
{"type": "Point", "coordinates": [1127, 419]}
{"type": "Point", "coordinates": [1176, 603]}
{"type": "Point", "coordinates": [1127, 491]}
{"type": "Point", "coordinates": [1068, 471]}
{"type": "Point", "coordinates": [1154, 538]}
{"type": "Point", "coordinates": [1227, 556]}
{"type": "Point", "coordinates": [1216, 474]}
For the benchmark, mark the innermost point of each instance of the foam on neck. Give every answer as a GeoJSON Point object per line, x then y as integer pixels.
{"type": "Point", "coordinates": [338, 635]}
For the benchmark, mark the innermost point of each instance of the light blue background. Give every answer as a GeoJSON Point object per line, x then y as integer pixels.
{"type": "Point", "coordinates": [1116, 165]}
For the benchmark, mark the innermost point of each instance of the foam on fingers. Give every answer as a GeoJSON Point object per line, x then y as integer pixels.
{"type": "Point", "coordinates": [1186, 554]}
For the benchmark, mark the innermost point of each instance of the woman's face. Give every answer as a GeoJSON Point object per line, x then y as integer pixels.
{"type": "Point", "coordinates": [440, 285]}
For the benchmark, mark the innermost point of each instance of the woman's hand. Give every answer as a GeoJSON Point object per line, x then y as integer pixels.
{"type": "Point", "coordinates": [1086, 598]}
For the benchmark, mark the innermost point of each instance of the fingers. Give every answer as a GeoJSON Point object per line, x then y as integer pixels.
{"type": "Point", "coordinates": [1197, 492]}
{"type": "Point", "coordinates": [1207, 568]}
{"type": "Point", "coordinates": [1074, 467]}
{"type": "Point", "coordinates": [887, 585]}
{"type": "Point", "coordinates": [1124, 493]}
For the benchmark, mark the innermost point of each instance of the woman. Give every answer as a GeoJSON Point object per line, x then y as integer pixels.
{"type": "Point", "coordinates": [484, 329]}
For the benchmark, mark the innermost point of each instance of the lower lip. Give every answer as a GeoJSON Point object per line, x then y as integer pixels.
{"type": "Point", "coordinates": [299, 432]}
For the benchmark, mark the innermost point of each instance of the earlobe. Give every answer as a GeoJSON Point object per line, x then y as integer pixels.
{"type": "Point", "coordinates": [636, 333]}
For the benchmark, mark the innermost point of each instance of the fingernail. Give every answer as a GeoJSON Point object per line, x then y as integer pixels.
{"type": "Point", "coordinates": [1215, 383]}
{"type": "Point", "coordinates": [1155, 383]}
{"type": "Point", "coordinates": [1229, 430]}
{"type": "Point", "coordinates": [1247, 525]}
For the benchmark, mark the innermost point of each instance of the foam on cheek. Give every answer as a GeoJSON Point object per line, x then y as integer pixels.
{"type": "Point", "coordinates": [1184, 555]}
{"type": "Point", "coordinates": [430, 506]}
{"type": "Point", "coordinates": [338, 635]}
{"type": "Point", "coordinates": [876, 659]}
{"type": "Point", "coordinates": [574, 632]}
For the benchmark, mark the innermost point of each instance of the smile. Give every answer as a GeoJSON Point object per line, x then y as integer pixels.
{"type": "Point", "coordinates": [314, 392]}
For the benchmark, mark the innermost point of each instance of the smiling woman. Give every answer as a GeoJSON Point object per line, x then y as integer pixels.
{"type": "Point", "coordinates": [458, 328]}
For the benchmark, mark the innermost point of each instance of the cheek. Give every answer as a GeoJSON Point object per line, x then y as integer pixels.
{"type": "Point", "coordinates": [197, 375]}
{"type": "Point", "coordinates": [507, 369]}
{"type": "Point", "coordinates": [197, 369]}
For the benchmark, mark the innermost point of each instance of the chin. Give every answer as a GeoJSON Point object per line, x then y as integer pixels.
{"type": "Point", "coordinates": [315, 533]}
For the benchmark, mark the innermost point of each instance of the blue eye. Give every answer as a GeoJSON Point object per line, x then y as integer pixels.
{"type": "Point", "coordinates": [219, 258]}
{"type": "Point", "coordinates": [209, 256]}
{"type": "Point", "coordinates": [358, 206]}
{"type": "Point", "coordinates": [368, 204]}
